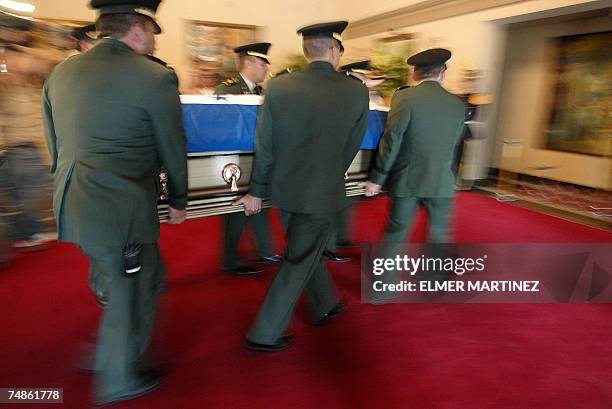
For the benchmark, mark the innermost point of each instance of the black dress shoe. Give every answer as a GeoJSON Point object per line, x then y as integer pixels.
{"type": "Point", "coordinates": [162, 288]}
{"type": "Point", "coordinates": [336, 258]}
{"type": "Point", "coordinates": [5, 261]}
{"type": "Point", "coordinates": [243, 271]}
{"type": "Point", "coordinates": [157, 371]}
{"type": "Point", "coordinates": [102, 299]}
{"type": "Point", "coordinates": [346, 243]}
{"type": "Point", "coordinates": [274, 259]}
{"type": "Point", "coordinates": [333, 313]}
{"type": "Point", "coordinates": [150, 381]}
{"type": "Point", "coordinates": [282, 343]}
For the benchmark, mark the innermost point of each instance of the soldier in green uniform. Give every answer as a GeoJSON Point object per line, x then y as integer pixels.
{"type": "Point", "coordinates": [364, 71]}
{"type": "Point", "coordinates": [415, 155]}
{"type": "Point", "coordinates": [358, 70]}
{"type": "Point", "coordinates": [339, 232]}
{"type": "Point", "coordinates": [108, 138]}
{"type": "Point", "coordinates": [310, 128]}
{"type": "Point", "coordinates": [253, 66]}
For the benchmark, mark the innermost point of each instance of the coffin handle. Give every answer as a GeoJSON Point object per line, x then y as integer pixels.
{"type": "Point", "coordinates": [231, 174]}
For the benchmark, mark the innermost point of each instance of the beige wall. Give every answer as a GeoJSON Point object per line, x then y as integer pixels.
{"type": "Point", "coordinates": [525, 107]}
{"type": "Point", "coordinates": [477, 40]}
{"type": "Point", "coordinates": [278, 18]}
{"type": "Point", "coordinates": [356, 9]}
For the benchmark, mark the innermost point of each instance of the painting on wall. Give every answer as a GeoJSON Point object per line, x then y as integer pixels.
{"type": "Point", "coordinates": [210, 48]}
{"type": "Point", "coordinates": [581, 118]}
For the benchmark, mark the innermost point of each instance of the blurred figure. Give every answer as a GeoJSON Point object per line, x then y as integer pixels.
{"type": "Point", "coordinates": [416, 151]}
{"type": "Point", "coordinates": [470, 111]}
{"type": "Point", "coordinates": [108, 138]}
{"type": "Point", "coordinates": [253, 65]}
{"type": "Point", "coordinates": [472, 102]}
{"type": "Point", "coordinates": [310, 128]}
{"type": "Point", "coordinates": [359, 71]}
{"type": "Point", "coordinates": [373, 83]}
{"type": "Point", "coordinates": [86, 37]}
{"type": "Point", "coordinates": [24, 181]}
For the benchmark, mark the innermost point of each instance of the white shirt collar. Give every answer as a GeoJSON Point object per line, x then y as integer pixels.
{"type": "Point", "coordinates": [249, 83]}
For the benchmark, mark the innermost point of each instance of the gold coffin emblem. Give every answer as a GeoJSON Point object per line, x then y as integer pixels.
{"type": "Point", "coordinates": [231, 174]}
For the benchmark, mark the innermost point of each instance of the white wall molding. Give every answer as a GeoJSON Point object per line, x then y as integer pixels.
{"type": "Point", "coordinates": [423, 12]}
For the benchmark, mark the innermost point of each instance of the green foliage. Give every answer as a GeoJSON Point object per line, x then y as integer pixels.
{"type": "Point", "coordinates": [387, 58]}
{"type": "Point", "coordinates": [390, 60]}
{"type": "Point", "coordinates": [296, 62]}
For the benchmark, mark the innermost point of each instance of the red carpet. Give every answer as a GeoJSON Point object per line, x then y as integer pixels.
{"type": "Point", "coordinates": [389, 357]}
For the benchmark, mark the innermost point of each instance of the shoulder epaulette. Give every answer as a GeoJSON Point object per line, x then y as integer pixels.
{"type": "Point", "coordinates": [230, 81]}
{"type": "Point", "coordinates": [402, 87]}
{"type": "Point", "coordinates": [160, 62]}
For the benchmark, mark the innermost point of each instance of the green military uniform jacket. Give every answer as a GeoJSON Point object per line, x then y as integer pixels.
{"type": "Point", "coordinates": [415, 154]}
{"type": "Point", "coordinates": [328, 119]}
{"type": "Point", "coordinates": [235, 85]}
{"type": "Point", "coordinates": [112, 118]}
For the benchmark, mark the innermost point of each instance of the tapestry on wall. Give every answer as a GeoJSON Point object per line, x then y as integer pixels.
{"type": "Point", "coordinates": [581, 119]}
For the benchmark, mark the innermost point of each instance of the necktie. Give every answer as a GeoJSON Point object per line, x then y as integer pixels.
{"type": "Point", "coordinates": [257, 90]}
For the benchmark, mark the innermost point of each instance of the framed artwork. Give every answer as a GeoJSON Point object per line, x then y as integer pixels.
{"type": "Point", "coordinates": [210, 49]}
{"type": "Point", "coordinates": [581, 117]}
